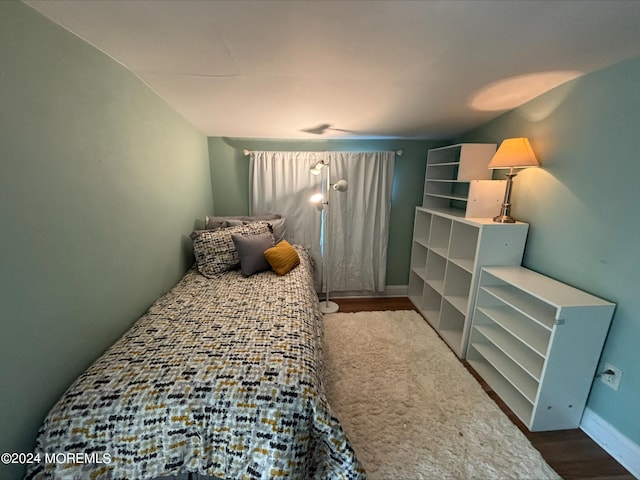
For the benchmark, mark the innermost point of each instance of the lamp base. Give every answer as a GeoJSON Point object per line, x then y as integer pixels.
{"type": "Point", "coordinates": [329, 307]}
{"type": "Point", "coordinates": [505, 210]}
{"type": "Point", "coordinates": [504, 219]}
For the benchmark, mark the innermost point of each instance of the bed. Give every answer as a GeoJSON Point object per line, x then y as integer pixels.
{"type": "Point", "coordinates": [221, 378]}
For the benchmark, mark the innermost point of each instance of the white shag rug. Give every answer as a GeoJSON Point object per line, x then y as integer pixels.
{"type": "Point", "coordinates": [410, 408]}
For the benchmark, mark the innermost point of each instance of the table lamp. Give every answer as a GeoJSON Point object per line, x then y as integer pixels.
{"type": "Point", "coordinates": [513, 153]}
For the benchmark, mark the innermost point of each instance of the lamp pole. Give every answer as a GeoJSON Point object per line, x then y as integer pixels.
{"type": "Point", "coordinates": [327, 306]}
{"type": "Point", "coordinates": [322, 200]}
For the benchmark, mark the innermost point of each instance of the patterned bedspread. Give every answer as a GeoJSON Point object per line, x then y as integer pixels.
{"type": "Point", "coordinates": [220, 377]}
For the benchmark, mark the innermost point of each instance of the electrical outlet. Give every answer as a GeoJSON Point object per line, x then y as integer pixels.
{"type": "Point", "coordinates": [611, 380]}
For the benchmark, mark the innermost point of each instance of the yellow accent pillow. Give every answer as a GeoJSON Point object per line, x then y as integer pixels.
{"type": "Point", "coordinates": [282, 258]}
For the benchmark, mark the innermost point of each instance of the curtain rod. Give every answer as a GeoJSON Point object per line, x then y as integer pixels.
{"type": "Point", "coordinates": [248, 152]}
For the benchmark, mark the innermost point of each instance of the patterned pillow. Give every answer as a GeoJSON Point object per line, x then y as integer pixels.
{"type": "Point", "coordinates": [282, 258]}
{"type": "Point", "coordinates": [277, 226]}
{"type": "Point", "coordinates": [215, 251]}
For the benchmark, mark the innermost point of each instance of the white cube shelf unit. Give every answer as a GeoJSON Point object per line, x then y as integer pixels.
{"type": "Point", "coordinates": [447, 253]}
{"type": "Point", "coordinates": [457, 177]}
{"type": "Point", "coordinates": [537, 343]}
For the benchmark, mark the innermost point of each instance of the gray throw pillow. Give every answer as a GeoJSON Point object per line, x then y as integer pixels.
{"type": "Point", "coordinates": [277, 228]}
{"type": "Point", "coordinates": [251, 252]}
{"type": "Point", "coordinates": [214, 223]}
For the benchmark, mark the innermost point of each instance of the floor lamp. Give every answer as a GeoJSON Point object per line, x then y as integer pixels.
{"type": "Point", "coordinates": [322, 202]}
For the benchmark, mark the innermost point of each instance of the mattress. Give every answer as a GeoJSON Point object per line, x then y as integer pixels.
{"type": "Point", "coordinates": [221, 378]}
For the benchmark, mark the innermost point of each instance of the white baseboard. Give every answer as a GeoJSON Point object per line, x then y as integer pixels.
{"type": "Point", "coordinates": [625, 451]}
{"type": "Point", "coordinates": [389, 291]}
{"type": "Point", "coordinates": [396, 291]}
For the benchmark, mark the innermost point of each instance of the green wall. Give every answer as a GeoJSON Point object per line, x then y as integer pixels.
{"type": "Point", "coordinates": [230, 183]}
{"type": "Point", "coordinates": [583, 207]}
{"type": "Point", "coordinates": [100, 185]}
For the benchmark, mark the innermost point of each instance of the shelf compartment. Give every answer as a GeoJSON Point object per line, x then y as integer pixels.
{"type": "Point", "coordinates": [421, 226]}
{"type": "Point", "coordinates": [431, 303]}
{"type": "Point", "coordinates": [511, 371]}
{"type": "Point", "coordinates": [423, 243]}
{"type": "Point", "coordinates": [446, 185]}
{"type": "Point", "coordinates": [449, 196]}
{"type": "Point", "coordinates": [416, 289]}
{"type": "Point", "coordinates": [440, 235]}
{"type": "Point", "coordinates": [525, 358]}
{"type": "Point", "coordinates": [463, 245]}
{"type": "Point", "coordinates": [447, 180]}
{"type": "Point", "coordinates": [451, 325]}
{"type": "Point", "coordinates": [531, 307]}
{"type": "Point", "coordinates": [457, 287]}
{"type": "Point", "coordinates": [439, 203]}
{"type": "Point", "coordinates": [514, 399]}
{"type": "Point", "coordinates": [419, 259]}
{"type": "Point", "coordinates": [444, 155]}
{"type": "Point", "coordinates": [436, 268]}
{"type": "Point", "coordinates": [530, 333]}
{"type": "Point", "coordinates": [442, 171]}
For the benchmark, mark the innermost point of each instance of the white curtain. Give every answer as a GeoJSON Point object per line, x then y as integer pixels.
{"type": "Point", "coordinates": [281, 182]}
{"type": "Point", "coordinates": [358, 219]}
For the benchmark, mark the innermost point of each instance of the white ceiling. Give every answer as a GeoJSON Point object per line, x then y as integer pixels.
{"type": "Point", "coordinates": [406, 69]}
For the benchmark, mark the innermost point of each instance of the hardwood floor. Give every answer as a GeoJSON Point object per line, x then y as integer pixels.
{"type": "Point", "coordinates": [571, 453]}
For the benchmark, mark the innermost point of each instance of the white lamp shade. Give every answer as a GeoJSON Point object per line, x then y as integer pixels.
{"type": "Point", "coordinates": [514, 153]}
{"type": "Point", "coordinates": [317, 168]}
